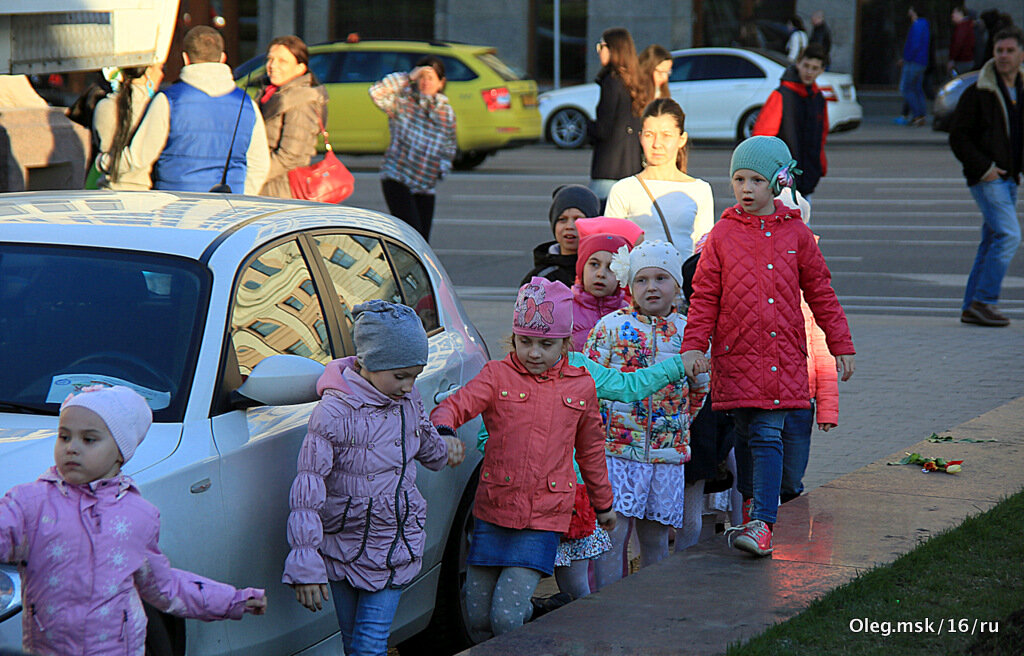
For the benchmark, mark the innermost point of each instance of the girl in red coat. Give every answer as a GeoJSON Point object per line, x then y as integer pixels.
{"type": "Point", "coordinates": [537, 408]}
{"type": "Point", "coordinates": [746, 299]}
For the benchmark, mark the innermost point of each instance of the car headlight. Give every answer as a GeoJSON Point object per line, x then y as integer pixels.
{"type": "Point", "coordinates": [10, 592]}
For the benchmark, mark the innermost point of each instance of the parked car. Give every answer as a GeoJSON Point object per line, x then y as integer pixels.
{"type": "Point", "coordinates": [947, 98]}
{"type": "Point", "coordinates": [720, 89]}
{"type": "Point", "coordinates": [221, 311]}
{"type": "Point", "coordinates": [494, 106]}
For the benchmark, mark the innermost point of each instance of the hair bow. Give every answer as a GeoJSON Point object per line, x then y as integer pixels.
{"type": "Point", "coordinates": [786, 177]}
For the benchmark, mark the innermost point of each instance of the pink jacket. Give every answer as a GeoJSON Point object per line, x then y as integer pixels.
{"type": "Point", "coordinates": [527, 479]}
{"type": "Point", "coordinates": [588, 309]}
{"type": "Point", "coordinates": [88, 556]}
{"type": "Point", "coordinates": [356, 514]}
{"type": "Point", "coordinates": [746, 300]}
{"type": "Point", "coordinates": [821, 370]}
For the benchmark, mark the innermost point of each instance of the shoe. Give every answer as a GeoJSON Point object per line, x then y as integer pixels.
{"type": "Point", "coordinates": [919, 121]}
{"type": "Point", "coordinates": [754, 537]}
{"type": "Point", "coordinates": [745, 510]}
{"type": "Point", "coordinates": [984, 314]}
{"type": "Point", "coordinates": [544, 605]}
{"type": "Point", "coordinates": [901, 120]}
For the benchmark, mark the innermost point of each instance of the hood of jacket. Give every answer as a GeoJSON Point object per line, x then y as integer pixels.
{"type": "Point", "coordinates": [791, 80]}
{"type": "Point", "coordinates": [781, 213]}
{"type": "Point", "coordinates": [341, 378]}
{"type": "Point", "coordinates": [212, 78]}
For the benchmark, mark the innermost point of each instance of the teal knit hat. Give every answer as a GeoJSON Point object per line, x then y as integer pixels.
{"type": "Point", "coordinates": [768, 156]}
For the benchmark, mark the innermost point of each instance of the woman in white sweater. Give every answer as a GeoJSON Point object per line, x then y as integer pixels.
{"type": "Point", "coordinates": [686, 203]}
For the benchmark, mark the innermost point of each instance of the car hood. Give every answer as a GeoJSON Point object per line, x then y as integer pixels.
{"type": "Point", "coordinates": [26, 447]}
{"type": "Point", "coordinates": [583, 91]}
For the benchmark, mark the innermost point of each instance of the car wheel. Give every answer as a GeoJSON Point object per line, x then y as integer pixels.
{"type": "Point", "coordinates": [568, 128]}
{"type": "Point", "coordinates": [448, 631]}
{"type": "Point", "coordinates": [161, 634]}
{"type": "Point", "coordinates": [470, 160]}
{"type": "Point", "coordinates": [745, 129]}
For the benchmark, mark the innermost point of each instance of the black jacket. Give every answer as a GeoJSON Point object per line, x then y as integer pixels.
{"type": "Point", "coordinates": [553, 266]}
{"type": "Point", "coordinates": [616, 132]}
{"type": "Point", "coordinates": [979, 133]}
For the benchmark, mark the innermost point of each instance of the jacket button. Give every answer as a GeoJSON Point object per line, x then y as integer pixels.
{"type": "Point", "coordinates": [570, 484]}
{"type": "Point", "coordinates": [398, 471]}
{"type": "Point", "coordinates": [771, 266]}
{"type": "Point", "coordinates": [552, 484]}
{"type": "Point", "coordinates": [768, 234]}
{"type": "Point", "coordinates": [568, 399]}
{"type": "Point", "coordinates": [775, 368]}
{"type": "Point", "coordinates": [776, 402]}
{"type": "Point", "coordinates": [504, 392]}
{"type": "Point", "coordinates": [508, 478]}
{"type": "Point", "coordinates": [581, 403]}
{"type": "Point", "coordinates": [487, 474]}
{"type": "Point", "coordinates": [726, 347]}
{"type": "Point", "coordinates": [369, 477]}
{"type": "Point", "coordinates": [772, 333]}
{"type": "Point", "coordinates": [522, 395]}
{"type": "Point", "coordinates": [398, 442]}
{"type": "Point", "coordinates": [771, 300]}
{"type": "Point", "coordinates": [370, 445]}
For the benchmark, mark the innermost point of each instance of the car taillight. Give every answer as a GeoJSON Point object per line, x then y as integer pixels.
{"type": "Point", "coordinates": [497, 98]}
{"type": "Point", "coordinates": [829, 93]}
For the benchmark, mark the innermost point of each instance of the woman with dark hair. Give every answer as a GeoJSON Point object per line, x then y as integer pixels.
{"type": "Point", "coordinates": [423, 142]}
{"type": "Point", "coordinates": [797, 37]}
{"type": "Point", "coordinates": [117, 116]}
{"type": "Point", "coordinates": [294, 108]}
{"type": "Point", "coordinates": [656, 67]}
{"type": "Point", "coordinates": [616, 146]}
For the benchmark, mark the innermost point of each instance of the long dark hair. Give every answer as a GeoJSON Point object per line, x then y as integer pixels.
{"type": "Point", "coordinates": [649, 59]}
{"type": "Point", "coordinates": [669, 107]}
{"type": "Point", "coordinates": [622, 60]}
{"type": "Point", "coordinates": [123, 134]}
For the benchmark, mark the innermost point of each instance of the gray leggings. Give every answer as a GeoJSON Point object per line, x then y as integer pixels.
{"type": "Point", "coordinates": [653, 547]}
{"type": "Point", "coordinates": [498, 598]}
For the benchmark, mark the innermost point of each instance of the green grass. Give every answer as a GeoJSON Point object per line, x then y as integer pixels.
{"type": "Point", "coordinates": [972, 572]}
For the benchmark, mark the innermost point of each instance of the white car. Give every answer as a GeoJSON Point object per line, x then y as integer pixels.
{"type": "Point", "coordinates": [720, 89]}
{"type": "Point", "coordinates": [221, 311]}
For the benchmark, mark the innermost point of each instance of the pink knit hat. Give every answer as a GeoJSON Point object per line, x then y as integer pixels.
{"type": "Point", "coordinates": [609, 225]}
{"type": "Point", "coordinates": [543, 309]}
{"type": "Point", "coordinates": [594, 243]}
{"type": "Point", "coordinates": [122, 409]}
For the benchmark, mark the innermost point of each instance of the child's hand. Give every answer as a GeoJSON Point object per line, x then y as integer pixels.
{"type": "Point", "coordinates": [695, 363]}
{"type": "Point", "coordinates": [456, 450]}
{"type": "Point", "coordinates": [826, 427]}
{"type": "Point", "coordinates": [607, 520]}
{"type": "Point", "coordinates": [845, 366]}
{"type": "Point", "coordinates": [256, 606]}
{"type": "Point", "coordinates": [311, 595]}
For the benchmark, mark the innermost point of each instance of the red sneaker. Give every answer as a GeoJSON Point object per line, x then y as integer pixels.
{"type": "Point", "coordinates": [755, 538]}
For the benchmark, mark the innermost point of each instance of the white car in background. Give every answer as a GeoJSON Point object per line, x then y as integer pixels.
{"type": "Point", "coordinates": [720, 89]}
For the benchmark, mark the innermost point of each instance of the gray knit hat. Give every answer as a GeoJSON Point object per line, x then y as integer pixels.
{"type": "Point", "coordinates": [768, 156]}
{"type": "Point", "coordinates": [573, 195]}
{"type": "Point", "coordinates": [388, 336]}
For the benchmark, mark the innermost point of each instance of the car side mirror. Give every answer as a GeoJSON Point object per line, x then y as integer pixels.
{"type": "Point", "coordinates": [279, 380]}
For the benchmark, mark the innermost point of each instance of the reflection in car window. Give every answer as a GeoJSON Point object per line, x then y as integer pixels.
{"type": "Point", "coordinates": [419, 295]}
{"type": "Point", "coordinates": [682, 69]}
{"type": "Point", "coordinates": [362, 67]}
{"type": "Point", "coordinates": [276, 310]}
{"type": "Point", "coordinates": [358, 268]}
{"type": "Point", "coordinates": [726, 67]}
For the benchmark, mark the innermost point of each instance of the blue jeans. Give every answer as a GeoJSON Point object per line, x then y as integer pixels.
{"type": "Point", "coordinates": [796, 448]}
{"type": "Point", "coordinates": [1000, 237]}
{"type": "Point", "coordinates": [912, 88]}
{"type": "Point", "coordinates": [365, 618]}
{"type": "Point", "coordinates": [759, 458]}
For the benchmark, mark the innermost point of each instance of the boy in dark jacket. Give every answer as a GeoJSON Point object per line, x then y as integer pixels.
{"type": "Point", "coordinates": [556, 260]}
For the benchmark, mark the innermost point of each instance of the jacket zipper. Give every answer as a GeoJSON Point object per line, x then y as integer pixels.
{"type": "Point", "coordinates": [124, 633]}
{"type": "Point", "coordinates": [650, 399]}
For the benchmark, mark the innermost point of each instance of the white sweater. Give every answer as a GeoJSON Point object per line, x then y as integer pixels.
{"type": "Point", "coordinates": [689, 209]}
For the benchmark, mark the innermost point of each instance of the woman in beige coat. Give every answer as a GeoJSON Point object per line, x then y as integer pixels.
{"type": "Point", "coordinates": [294, 107]}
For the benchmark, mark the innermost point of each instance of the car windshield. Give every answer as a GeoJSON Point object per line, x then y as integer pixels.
{"type": "Point", "coordinates": [72, 317]}
{"type": "Point", "coordinates": [777, 57]}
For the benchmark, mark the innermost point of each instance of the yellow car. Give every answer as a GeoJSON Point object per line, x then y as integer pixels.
{"type": "Point", "coordinates": [494, 107]}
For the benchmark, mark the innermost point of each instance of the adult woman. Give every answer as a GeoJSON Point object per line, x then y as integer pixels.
{"type": "Point", "coordinates": [117, 116]}
{"type": "Point", "coordinates": [797, 37]}
{"type": "Point", "coordinates": [422, 140]}
{"type": "Point", "coordinates": [656, 67]}
{"type": "Point", "coordinates": [616, 148]}
{"type": "Point", "coordinates": [662, 199]}
{"type": "Point", "coordinates": [294, 107]}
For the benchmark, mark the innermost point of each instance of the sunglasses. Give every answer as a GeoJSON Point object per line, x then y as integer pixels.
{"type": "Point", "coordinates": [599, 45]}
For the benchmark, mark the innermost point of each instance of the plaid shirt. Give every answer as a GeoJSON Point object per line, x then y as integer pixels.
{"type": "Point", "coordinates": [422, 133]}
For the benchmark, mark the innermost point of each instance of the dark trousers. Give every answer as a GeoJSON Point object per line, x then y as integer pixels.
{"type": "Point", "coordinates": [415, 209]}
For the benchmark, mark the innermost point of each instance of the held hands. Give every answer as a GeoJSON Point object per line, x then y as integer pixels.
{"type": "Point", "coordinates": [607, 520]}
{"type": "Point", "coordinates": [844, 366]}
{"type": "Point", "coordinates": [456, 450]}
{"type": "Point", "coordinates": [824, 428]}
{"type": "Point", "coordinates": [256, 606]}
{"type": "Point", "coordinates": [694, 362]}
{"type": "Point", "coordinates": [311, 595]}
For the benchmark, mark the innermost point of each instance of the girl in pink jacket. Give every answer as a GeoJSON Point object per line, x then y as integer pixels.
{"type": "Point", "coordinates": [86, 541]}
{"type": "Point", "coordinates": [597, 291]}
{"type": "Point", "coordinates": [537, 407]}
{"type": "Point", "coordinates": [357, 516]}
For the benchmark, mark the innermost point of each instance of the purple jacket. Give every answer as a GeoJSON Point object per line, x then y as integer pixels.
{"type": "Point", "coordinates": [588, 309]}
{"type": "Point", "coordinates": [356, 513]}
{"type": "Point", "coordinates": [86, 554]}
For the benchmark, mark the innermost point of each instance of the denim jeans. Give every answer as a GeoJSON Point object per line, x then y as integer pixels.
{"type": "Point", "coordinates": [1000, 237]}
{"type": "Point", "coordinates": [796, 448]}
{"type": "Point", "coordinates": [365, 618]}
{"type": "Point", "coordinates": [912, 88]}
{"type": "Point", "coordinates": [759, 458]}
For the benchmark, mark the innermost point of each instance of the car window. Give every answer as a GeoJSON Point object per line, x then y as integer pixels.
{"type": "Point", "coordinates": [726, 67]}
{"type": "Point", "coordinates": [456, 71]}
{"type": "Point", "coordinates": [327, 66]}
{"type": "Point", "coordinates": [277, 310]}
{"type": "Point", "coordinates": [362, 66]}
{"type": "Point", "coordinates": [357, 266]}
{"type": "Point", "coordinates": [415, 283]}
{"type": "Point", "coordinates": [682, 69]}
{"type": "Point", "coordinates": [503, 70]}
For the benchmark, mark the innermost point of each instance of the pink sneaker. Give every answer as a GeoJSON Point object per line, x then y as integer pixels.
{"type": "Point", "coordinates": [754, 537]}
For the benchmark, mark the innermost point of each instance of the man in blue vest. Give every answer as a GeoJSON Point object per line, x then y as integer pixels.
{"type": "Point", "coordinates": [188, 129]}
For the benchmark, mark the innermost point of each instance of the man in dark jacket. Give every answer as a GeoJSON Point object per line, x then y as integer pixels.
{"type": "Point", "coordinates": [821, 33]}
{"type": "Point", "coordinates": [796, 113]}
{"type": "Point", "coordinates": [556, 260]}
{"type": "Point", "coordinates": [987, 136]}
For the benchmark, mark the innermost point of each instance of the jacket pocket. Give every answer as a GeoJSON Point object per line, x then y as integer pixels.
{"type": "Point", "coordinates": [497, 482]}
{"type": "Point", "coordinates": [513, 396]}
{"type": "Point", "coordinates": [557, 497]}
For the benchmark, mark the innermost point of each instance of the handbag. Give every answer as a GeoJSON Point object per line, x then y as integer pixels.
{"type": "Point", "coordinates": [327, 181]}
{"type": "Point", "coordinates": [584, 519]}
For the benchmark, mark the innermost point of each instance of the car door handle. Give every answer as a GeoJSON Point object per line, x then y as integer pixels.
{"type": "Point", "coordinates": [444, 394]}
{"type": "Point", "coordinates": [201, 486]}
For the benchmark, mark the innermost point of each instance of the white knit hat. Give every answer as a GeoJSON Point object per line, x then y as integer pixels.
{"type": "Point", "coordinates": [655, 253]}
{"type": "Point", "coordinates": [122, 409]}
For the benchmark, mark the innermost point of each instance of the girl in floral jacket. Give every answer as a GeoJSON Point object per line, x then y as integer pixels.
{"type": "Point", "coordinates": [647, 442]}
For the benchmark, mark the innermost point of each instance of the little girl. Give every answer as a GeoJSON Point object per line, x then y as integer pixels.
{"type": "Point", "coordinates": [537, 407]}
{"type": "Point", "coordinates": [647, 442]}
{"type": "Point", "coordinates": [353, 521]}
{"type": "Point", "coordinates": [597, 292]}
{"type": "Point", "coordinates": [746, 299]}
{"type": "Point", "coordinates": [86, 541]}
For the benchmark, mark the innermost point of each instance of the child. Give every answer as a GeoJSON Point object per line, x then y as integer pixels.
{"type": "Point", "coordinates": [746, 300]}
{"type": "Point", "coordinates": [86, 541]}
{"type": "Point", "coordinates": [357, 517]}
{"type": "Point", "coordinates": [537, 407]}
{"type": "Point", "coordinates": [596, 292]}
{"type": "Point", "coordinates": [646, 442]}
{"type": "Point", "coordinates": [556, 260]}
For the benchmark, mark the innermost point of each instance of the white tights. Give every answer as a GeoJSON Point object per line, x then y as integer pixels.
{"type": "Point", "coordinates": [653, 538]}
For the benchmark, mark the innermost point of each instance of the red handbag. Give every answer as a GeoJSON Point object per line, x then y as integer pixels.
{"type": "Point", "coordinates": [584, 519]}
{"type": "Point", "coordinates": [327, 181]}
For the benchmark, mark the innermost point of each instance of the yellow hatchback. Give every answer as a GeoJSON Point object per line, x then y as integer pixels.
{"type": "Point", "coordinates": [494, 107]}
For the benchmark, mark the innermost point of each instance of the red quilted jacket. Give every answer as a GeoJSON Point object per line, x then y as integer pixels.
{"type": "Point", "coordinates": [746, 300]}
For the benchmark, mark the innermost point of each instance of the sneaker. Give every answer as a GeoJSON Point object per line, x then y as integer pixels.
{"type": "Point", "coordinates": [901, 120]}
{"type": "Point", "coordinates": [745, 510]}
{"type": "Point", "coordinates": [984, 314]}
{"type": "Point", "coordinates": [544, 605]}
{"type": "Point", "coordinates": [755, 538]}
{"type": "Point", "coordinates": [919, 121]}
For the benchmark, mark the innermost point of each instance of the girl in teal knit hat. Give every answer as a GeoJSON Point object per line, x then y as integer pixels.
{"type": "Point", "coordinates": [757, 261]}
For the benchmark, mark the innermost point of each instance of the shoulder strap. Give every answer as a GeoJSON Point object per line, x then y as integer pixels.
{"type": "Point", "coordinates": [664, 223]}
